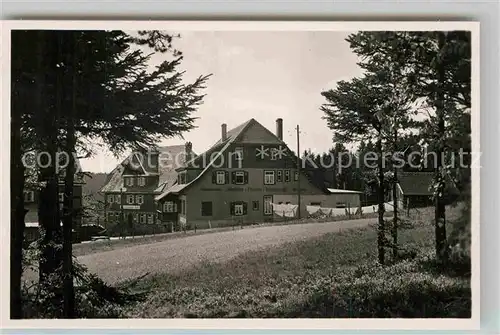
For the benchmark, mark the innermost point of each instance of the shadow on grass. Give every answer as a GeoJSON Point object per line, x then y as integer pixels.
{"type": "Point", "coordinates": [412, 302]}
{"type": "Point", "coordinates": [453, 268]}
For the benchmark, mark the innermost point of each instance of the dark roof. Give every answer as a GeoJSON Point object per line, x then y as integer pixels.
{"type": "Point", "coordinates": [170, 158]}
{"type": "Point", "coordinates": [416, 183]}
{"type": "Point", "coordinates": [219, 147]}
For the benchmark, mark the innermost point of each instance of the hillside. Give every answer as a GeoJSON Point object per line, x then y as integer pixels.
{"type": "Point", "coordinates": [93, 183]}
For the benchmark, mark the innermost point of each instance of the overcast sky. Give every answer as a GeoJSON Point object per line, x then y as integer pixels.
{"type": "Point", "coordinates": [264, 75]}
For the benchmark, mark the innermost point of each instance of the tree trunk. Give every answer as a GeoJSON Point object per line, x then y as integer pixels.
{"type": "Point", "coordinates": [17, 216]}
{"type": "Point", "coordinates": [395, 216]}
{"type": "Point", "coordinates": [48, 201]}
{"type": "Point", "coordinates": [395, 198]}
{"type": "Point", "coordinates": [69, 211]}
{"type": "Point", "coordinates": [381, 209]}
{"type": "Point", "coordinates": [440, 211]}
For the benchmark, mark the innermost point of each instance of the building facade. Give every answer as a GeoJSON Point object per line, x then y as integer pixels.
{"type": "Point", "coordinates": [239, 179]}
{"type": "Point", "coordinates": [130, 189]}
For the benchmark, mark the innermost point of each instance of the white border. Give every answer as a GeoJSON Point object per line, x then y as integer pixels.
{"type": "Point", "coordinates": [367, 324]}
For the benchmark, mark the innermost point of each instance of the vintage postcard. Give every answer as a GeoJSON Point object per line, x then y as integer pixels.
{"type": "Point", "coordinates": [272, 174]}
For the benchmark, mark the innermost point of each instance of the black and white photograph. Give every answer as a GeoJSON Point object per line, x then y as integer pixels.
{"type": "Point", "coordinates": [176, 173]}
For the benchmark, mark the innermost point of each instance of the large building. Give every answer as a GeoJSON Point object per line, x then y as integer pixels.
{"type": "Point", "coordinates": [239, 178]}
{"type": "Point", "coordinates": [130, 189]}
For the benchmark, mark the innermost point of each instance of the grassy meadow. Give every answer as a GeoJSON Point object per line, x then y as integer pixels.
{"type": "Point", "coordinates": [335, 275]}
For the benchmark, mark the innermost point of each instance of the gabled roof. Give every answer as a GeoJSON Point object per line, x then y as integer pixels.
{"type": "Point", "coordinates": [170, 158]}
{"type": "Point", "coordinates": [416, 183]}
{"type": "Point", "coordinates": [219, 148]}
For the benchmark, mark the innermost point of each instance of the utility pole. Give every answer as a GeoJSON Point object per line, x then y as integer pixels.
{"type": "Point", "coordinates": [298, 171]}
{"type": "Point", "coordinates": [122, 217]}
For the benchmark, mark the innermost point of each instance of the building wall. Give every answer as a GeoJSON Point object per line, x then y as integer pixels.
{"type": "Point", "coordinates": [222, 196]}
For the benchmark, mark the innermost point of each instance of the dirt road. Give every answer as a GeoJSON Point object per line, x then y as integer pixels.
{"type": "Point", "coordinates": [175, 255]}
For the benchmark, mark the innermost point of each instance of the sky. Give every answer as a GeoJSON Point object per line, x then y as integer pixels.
{"type": "Point", "coordinates": [260, 75]}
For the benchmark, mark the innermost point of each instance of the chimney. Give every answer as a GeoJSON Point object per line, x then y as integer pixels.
{"type": "Point", "coordinates": [224, 132]}
{"type": "Point", "coordinates": [188, 148]}
{"type": "Point", "coordinates": [279, 128]}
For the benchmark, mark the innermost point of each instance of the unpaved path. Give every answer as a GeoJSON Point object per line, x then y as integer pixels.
{"type": "Point", "coordinates": [175, 255]}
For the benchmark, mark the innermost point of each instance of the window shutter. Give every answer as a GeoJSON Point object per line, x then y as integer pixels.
{"type": "Point", "coordinates": [244, 208]}
{"type": "Point", "coordinates": [226, 177]}
{"type": "Point", "coordinates": [246, 177]}
{"type": "Point", "coordinates": [233, 177]}
{"type": "Point", "coordinates": [214, 177]}
{"type": "Point", "coordinates": [231, 206]}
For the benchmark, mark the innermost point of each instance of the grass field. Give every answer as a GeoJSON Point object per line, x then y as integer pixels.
{"type": "Point", "coordinates": [335, 275]}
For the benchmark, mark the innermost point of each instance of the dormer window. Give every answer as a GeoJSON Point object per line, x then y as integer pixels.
{"type": "Point", "coordinates": [182, 178]}
{"type": "Point", "coordinates": [129, 181]}
{"type": "Point", "coordinates": [238, 154]}
{"type": "Point", "coordinates": [141, 181]}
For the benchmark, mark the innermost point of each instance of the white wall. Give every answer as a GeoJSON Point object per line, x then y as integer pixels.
{"type": "Point", "coordinates": [326, 200]}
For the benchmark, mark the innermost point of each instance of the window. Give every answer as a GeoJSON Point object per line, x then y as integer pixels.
{"type": "Point", "coordinates": [206, 208]}
{"type": "Point", "coordinates": [274, 154]}
{"type": "Point", "coordinates": [141, 181]}
{"type": "Point", "coordinates": [111, 198]}
{"type": "Point", "coordinates": [255, 205]}
{"type": "Point", "coordinates": [150, 219]}
{"type": "Point", "coordinates": [269, 177]}
{"type": "Point", "coordinates": [168, 206]}
{"type": "Point", "coordinates": [279, 176]}
{"type": "Point", "coordinates": [110, 216]}
{"type": "Point", "coordinates": [296, 175]}
{"type": "Point", "coordinates": [287, 176]}
{"type": "Point", "coordinates": [221, 177]}
{"type": "Point", "coordinates": [118, 199]}
{"type": "Point", "coordinates": [130, 199]}
{"type": "Point", "coordinates": [239, 177]}
{"type": "Point", "coordinates": [238, 154]}
{"type": "Point", "coordinates": [29, 196]}
{"type": "Point", "coordinates": [238, 209]}
{"type": "Point", "coordinates": [139, 199]}
{"type": "Point", "coordinates": [142, 218]}
{"type": "Point", "coordinates": [61, 197]}
{"type": "Point", "coordinates": [268, 204]}
{"type": "Point", "coordinates": [129, 181]}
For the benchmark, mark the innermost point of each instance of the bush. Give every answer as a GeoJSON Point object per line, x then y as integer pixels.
{"type": "Point", "coordinates": [93, 297]}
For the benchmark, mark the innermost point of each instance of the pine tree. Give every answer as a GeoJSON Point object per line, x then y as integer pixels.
{"type": "Point", "coordinates": [93, 85]}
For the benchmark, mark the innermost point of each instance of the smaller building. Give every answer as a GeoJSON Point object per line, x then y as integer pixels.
{"type": "Point", "coordinates": [415, 189]}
